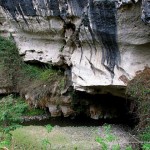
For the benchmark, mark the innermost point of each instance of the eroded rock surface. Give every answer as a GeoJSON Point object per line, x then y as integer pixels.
{"type": "Point", "coordinates": [101, 44]}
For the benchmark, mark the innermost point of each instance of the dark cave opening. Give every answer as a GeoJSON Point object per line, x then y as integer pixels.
{"type": "Point", "coordinates": [108, 103]}
{"type": "Point", "coordinates": [110, 109]}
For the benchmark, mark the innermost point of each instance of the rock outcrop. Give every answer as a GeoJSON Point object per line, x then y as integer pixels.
{"type": "Point", "coordinates": [101, 44]}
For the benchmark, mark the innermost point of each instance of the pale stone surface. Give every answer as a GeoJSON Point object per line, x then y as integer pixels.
{"type": "Point", "coordinates": [66, 110]}
{"type": "Point", "coordinates": [55, 112]}
{"type": "Point", "coordinates": [47, 41]}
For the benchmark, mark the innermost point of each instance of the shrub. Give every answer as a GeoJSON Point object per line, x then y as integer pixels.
{"type": "Point", "coordinates": [10, 63]}
{"type": "Point", "coordinates": [49, 128]}
{"type": "Point", "coordinates": [139, 91]}
{"type": "Point", "coordinates": [11, 112]}
{"type": "Point", "coordinates": [10, 116]}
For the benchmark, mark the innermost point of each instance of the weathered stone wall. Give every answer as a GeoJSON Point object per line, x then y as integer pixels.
{"type": "Point", "coordinates": [103, 43]}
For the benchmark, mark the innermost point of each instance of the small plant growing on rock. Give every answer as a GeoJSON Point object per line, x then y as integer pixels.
{"type": "Point", "coordinates": [146, 146]}
{"type": "Point", "coordinates": [49, 128]}
{"type": "Point", "coordinates": [108, 137]}
{"type": "Point", "coordinates": [103, 143]}
{"type": "Point", "coordinates": [128, 147]}
{"type": "Point", "coordinates": [116, 147]}
{"type": "Point", "coordinates": [46, 143]}
{"type": "Point", "coordinates": [4, 145]}
{"type": "Point", "coordinates": [75, 148]}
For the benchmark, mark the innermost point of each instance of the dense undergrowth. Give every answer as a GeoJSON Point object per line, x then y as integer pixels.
{"type": "Point", "coordinates": [139, 91]}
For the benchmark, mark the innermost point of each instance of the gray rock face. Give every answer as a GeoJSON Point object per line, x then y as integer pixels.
{"type": "Point", "coordinates": [146, 11]}
{"type": "Point", "coordinates": [104, 43]}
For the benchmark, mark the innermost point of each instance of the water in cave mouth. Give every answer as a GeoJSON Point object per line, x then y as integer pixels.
{"type": "Point", "coordinates": [82, 120]}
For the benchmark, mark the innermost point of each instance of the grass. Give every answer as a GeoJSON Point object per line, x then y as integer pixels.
{"type": "Point", "coordinates": [42, 74]}
{"type": "Point", "coordinates": [67, 138]}
{"type": "Point", "coordinates": [109, 140]}
{"type": "Point", "coordinates": [37, 138]}
{"type": "Point", "coordinates": [49, 128]}
{"type": "Point", "coordinates": [33, 112]}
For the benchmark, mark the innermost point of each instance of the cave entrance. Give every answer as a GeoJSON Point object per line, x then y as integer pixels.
{"type": "Point", "coordinates": [105, 108]}
{"type": "Point", "coordinates": [94, 110]}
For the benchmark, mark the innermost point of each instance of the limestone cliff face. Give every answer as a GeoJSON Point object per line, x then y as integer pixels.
{"type": "Point", "coordinates": [103, 43]}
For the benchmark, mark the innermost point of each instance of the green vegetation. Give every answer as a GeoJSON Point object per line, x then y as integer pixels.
{"type": "Point", "coordinates": [5, 140]}
{"type": "Point", "coordinates": [116, 147]}
{"type": "Point", "coordinates": [10, 116]}
{"type": "Point", "coordinates": [24, 78]}
{"type": "Point", "coordinates": [128, 148]}
{"type": "Point", "coordinates": [12, 109]}
{"type": "Point", "coordinates": [17, 76]}
{"type": "Point", "coordinates": [46, 144]}
{"type": "Point", "coordinates": [63, 138]}
{"type": "Point", "coordinates": [37, 138]}
{"type": "Point", "coordinates": [49, 128]}
{"type": "Point", "coordinates": [107, 138]}
{"type": "Point", "coordinates": [103, 143]}
{"type": "Point", "coordinates": [11, 112]}
{"type": "Point", "coordinates": [37, 73]}
{"type": "Point", "coordinates": [40, 84]}
{"type": "Point", "coordinates": [139, 91]}
{"type": "Point", "coordinates": [146, 146]}
{"type": "Point", "coordinates": [34, 112]}
{"type": "Point", "coordinates": [9, 63]}
{"type": "Point", "coordinates": [35, 78]}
